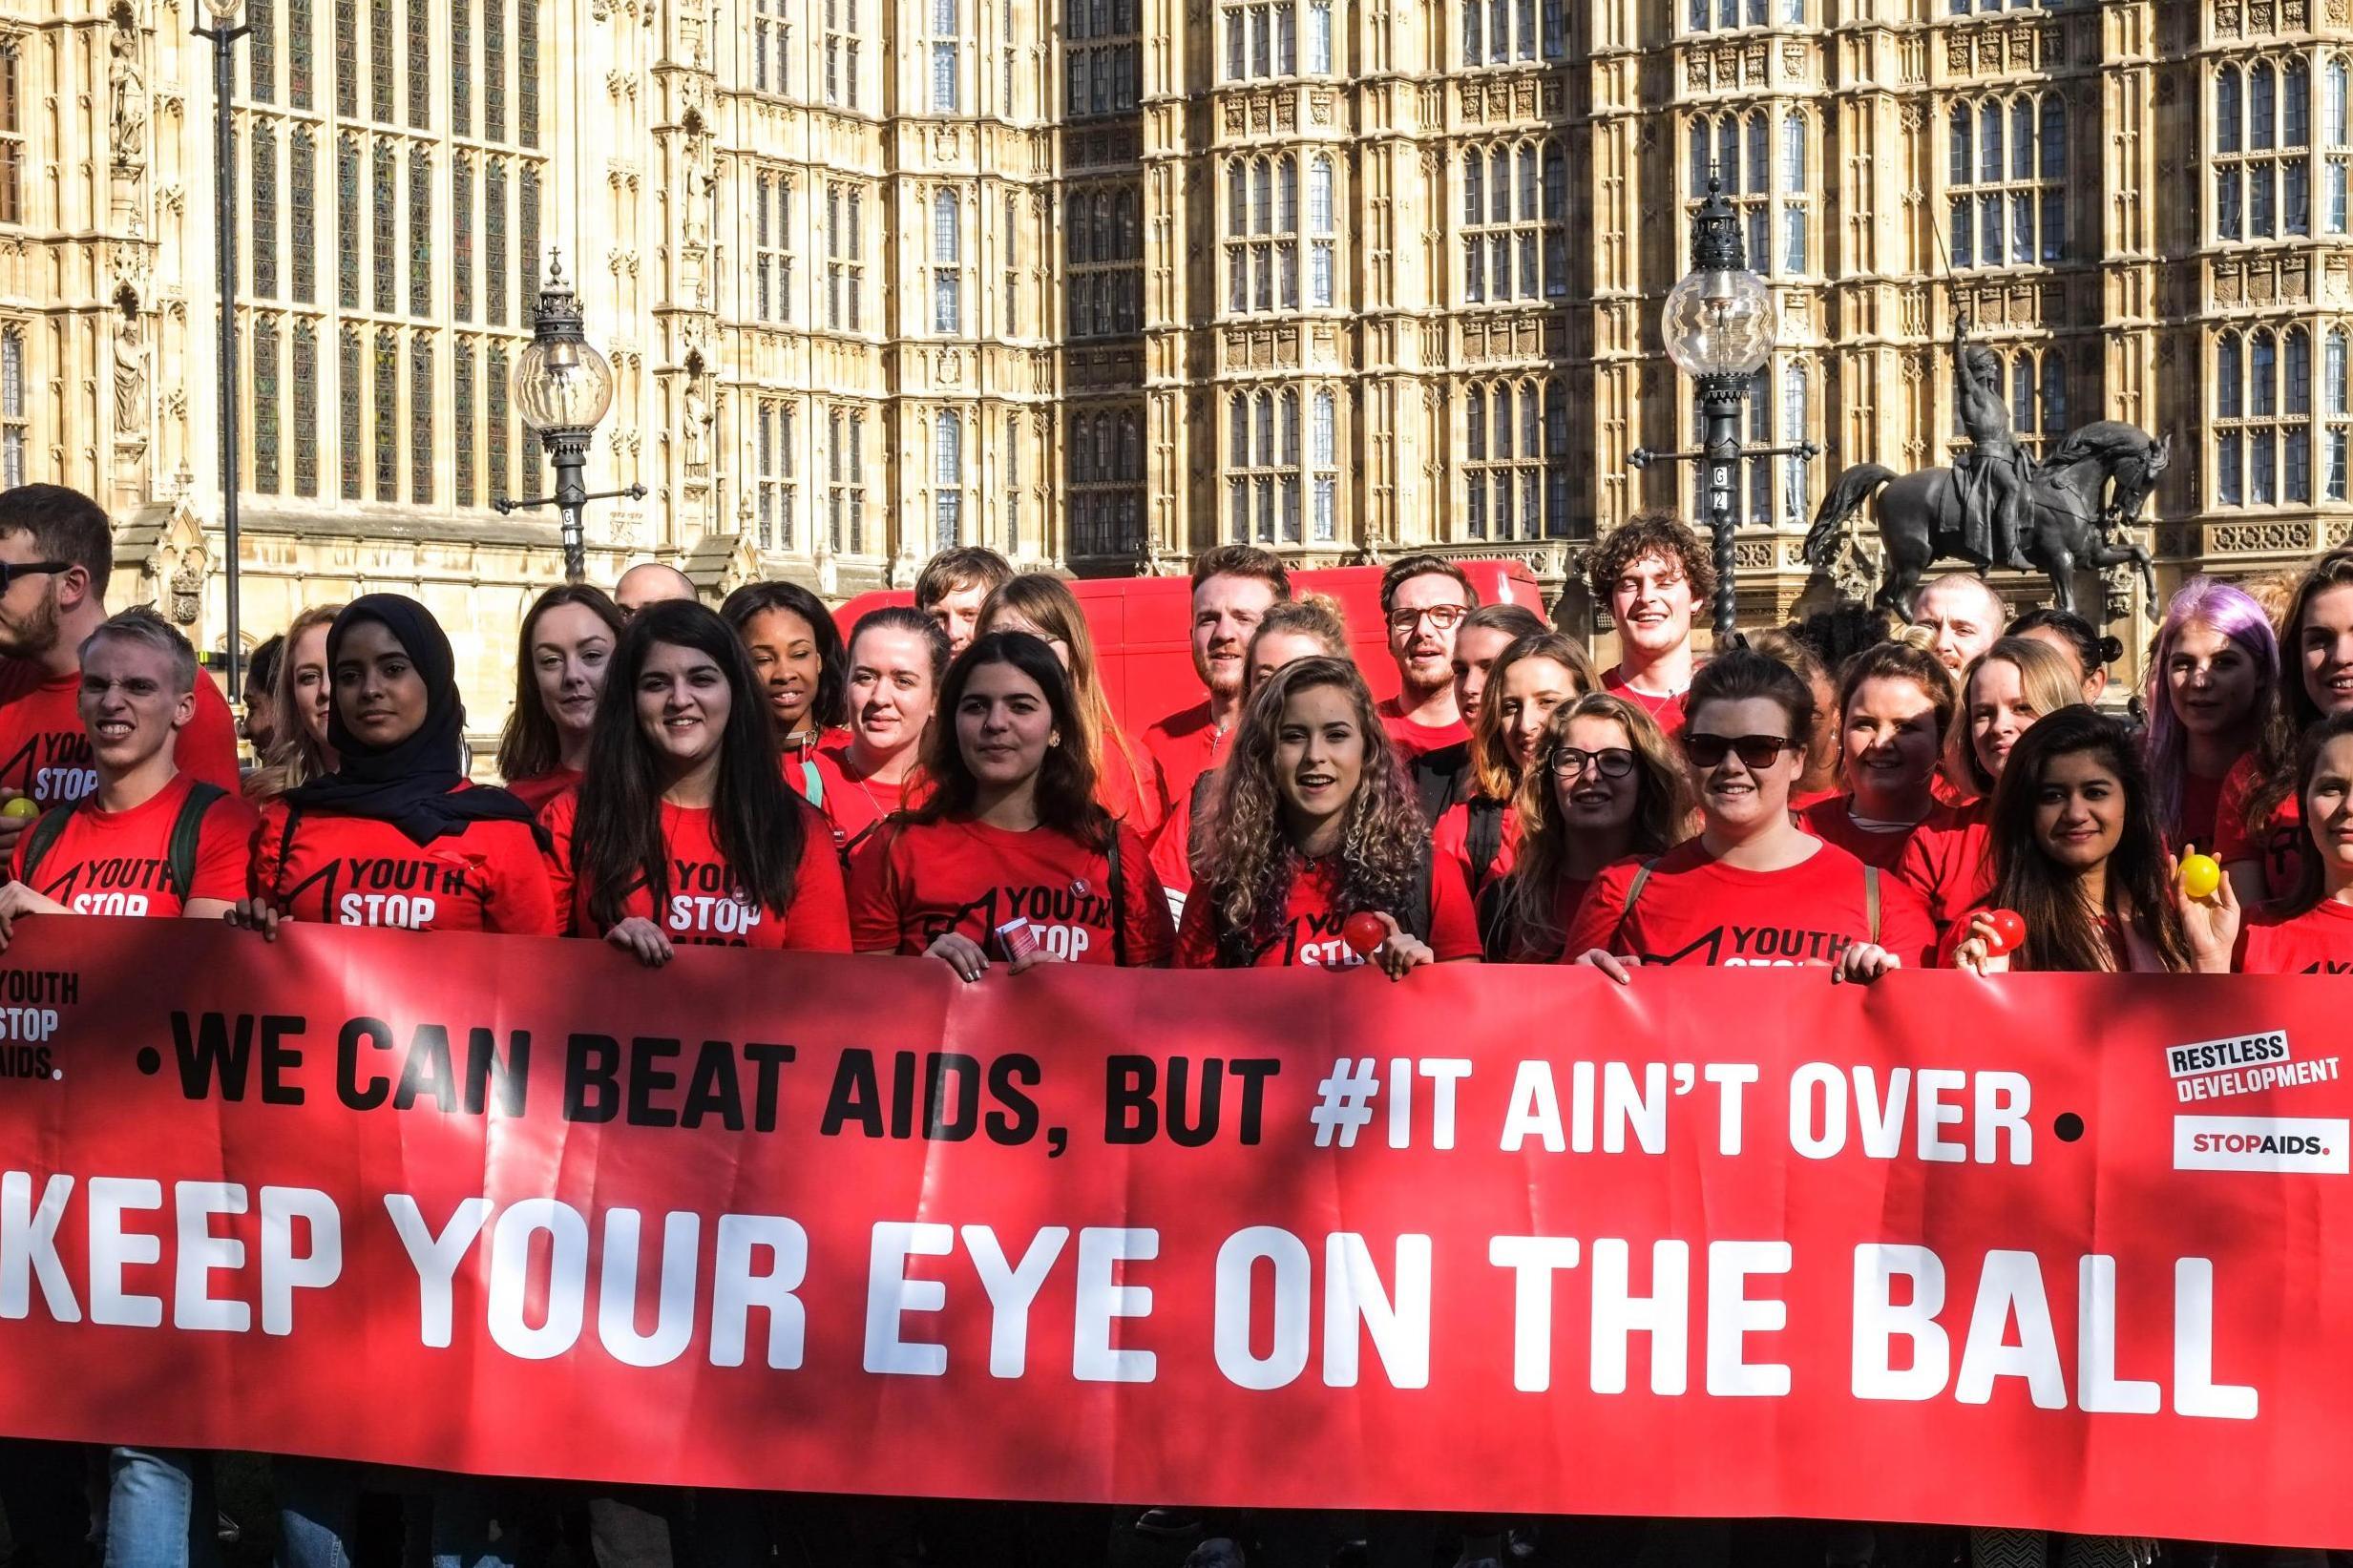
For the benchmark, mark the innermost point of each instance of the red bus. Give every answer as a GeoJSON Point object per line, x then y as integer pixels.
{"type": "Point", "coordinates": [1143, 628]}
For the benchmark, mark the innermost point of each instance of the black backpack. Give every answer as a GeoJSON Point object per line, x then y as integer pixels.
{"type": "Point", "coordinates": [180, 852]}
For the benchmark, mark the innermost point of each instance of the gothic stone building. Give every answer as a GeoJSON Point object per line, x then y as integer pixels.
{"type": "Point", "coordinates": [1102, 282]}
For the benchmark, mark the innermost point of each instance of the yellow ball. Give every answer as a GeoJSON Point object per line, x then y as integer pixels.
{"type": "Point", "coordinates": [23, 806]}
{"type": "Point", "coordinates": [2201, 875]}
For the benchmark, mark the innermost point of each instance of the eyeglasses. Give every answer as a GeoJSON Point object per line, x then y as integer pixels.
{"type": "Point", "coordinates": [1756, 751]}
{"type": "Point", "coordinates": [1441, 617]}
{"type": "Point", "coordinates": [9, 572]}
{"type": "Point", "coordinates": [1610, 763]}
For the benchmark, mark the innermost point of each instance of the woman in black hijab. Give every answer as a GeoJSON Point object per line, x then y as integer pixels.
{"type": "Point", "coordinates": [395, 836]}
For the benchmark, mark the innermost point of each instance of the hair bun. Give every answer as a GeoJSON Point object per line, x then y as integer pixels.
{"type": "Point", "coordinates": [2111, 649]}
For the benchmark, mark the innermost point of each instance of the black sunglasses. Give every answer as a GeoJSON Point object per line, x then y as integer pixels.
{"type": "Point", "coordinates": [1756, 751]}
{"type": "Point", "coordinates": [11, 571]}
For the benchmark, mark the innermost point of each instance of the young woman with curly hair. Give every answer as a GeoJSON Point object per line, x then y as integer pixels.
{"type": "Point", "coordinates": [2258, 826]}
{"type": "Point", "coordinates": [1478, 836]}
{"type": "Point", "coordinates": [1313, 819]}
{"type": "Point", "coordinates": [1604, 782]}
{"type": "Point", "coordinates": [1753, 888]}
{"type": "Point", "coordinates": [1011, 856]}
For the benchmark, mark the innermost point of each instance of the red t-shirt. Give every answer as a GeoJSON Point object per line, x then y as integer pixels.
{"type": "Point", "coordinates": [913, 882]}
{"type": "Point", "coordinates": [1666, 710]}
{"type": "Point", "coordinates": [1128, 786]}
{"type": "Point", "coordinates": [118, 861]}
{"type": "Point", "coordinates": [540, 788]}
{"type": "Point", "coordinates": [1951, 863]}
{"type": "Point", "coordinates": [1183, 746]}
{"type": "Point", "coordinates": [1696, 910]}
{"type": "Point", "coordinates": [1450, 846]}
{"type": "Point", "coordinates": [852, 805]}
{"type": "Point", "coordinates": [359, 872]}
{"type": "Point", "coordinates": [2201, 810]}
{"type": "Point", "coordinates": [1309, 934]}
{"type": "Point", "coordinates": [45, 754]}
{"type": "Point", "coordinates": [1411, 739]}
{"type": "Point", "coordinates": [1833, 821]}
{"type": "Point", "coordinates": [706, 907]}
{"type": "Point", "coordinates": [2279, 845]}
{"type": "Point", "coordinates": [2319, 941]}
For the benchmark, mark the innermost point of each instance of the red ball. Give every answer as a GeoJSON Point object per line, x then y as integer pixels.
{"type": "Point", "coordinates": [2009, 931]}
{"type": "Point", "coordinates": [1363, 932]}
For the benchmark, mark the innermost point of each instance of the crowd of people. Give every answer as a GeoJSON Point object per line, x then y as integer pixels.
{"type": "Point", "coordinates": [952, 782]}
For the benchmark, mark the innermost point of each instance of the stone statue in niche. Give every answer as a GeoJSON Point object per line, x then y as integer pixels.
{"type": "Point", "coordinates": [697, 426]}
{"type": "Point", "coordinates": [126, 92]}
{"type": "Point", "coordinates": [130, 379]}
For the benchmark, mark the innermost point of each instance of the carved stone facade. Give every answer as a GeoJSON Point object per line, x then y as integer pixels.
{"type": "Point", "coordinates": [1103, 281]}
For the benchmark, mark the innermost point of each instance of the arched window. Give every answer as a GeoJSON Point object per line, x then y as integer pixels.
{"type": "Point", "coordinates": [2336, 402]}
{"type": "Point", "coordinates": [947, 480]}
{"type": "Point", "coordinates": [947, 262]}
{"type": "Point", "coordinates": [1515, 460]}
{"type": "Point", "coordinates": [2264, 162]}
{"type": "Point", "coordinates": [1262, 256]}
{"type": "Point", "coordinates": [2007, 179]}
{"type": "Point", "coordinates": [1323, 470]}
{"type": "Point", "coordinates": [1772, 199]}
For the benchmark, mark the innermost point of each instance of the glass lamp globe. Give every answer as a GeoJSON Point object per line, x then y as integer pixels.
{"type": "Point", "coordinates": [562, 383]}
{"type": "Point", "coordinates": [1719, 322]}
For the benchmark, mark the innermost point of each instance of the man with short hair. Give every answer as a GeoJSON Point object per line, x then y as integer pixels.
{"type": "Point", "coordinates": [148, 839]}
{"type": "Point", "coordinates": [651, 582]}
{"type": "Point", "coordinates": [1444, 776]}
{"type": "Point", "coordinates": [1963, 614]}
{"type": "Point", "coordinates": [1651, 570]}
{"type": "Point", "coordinates": [1234, 587]}
{"type": "Point", "coordinates": [56, 550]}
{"type": "Point", "coordinates": [954, 584]}
{"type": "Point", "coordinates": [1423, 599]}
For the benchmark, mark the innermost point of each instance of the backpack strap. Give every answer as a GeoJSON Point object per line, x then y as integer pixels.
{"type": "Point", "coordinates": [1496, 933]}
{"type": "Point", "coordinates": [188, 835]}
{"type": "Point", "coordinates": [1118, 903]}
{"type": "Point", "coordinates": [1415, 917]}
{"type": "Point", "coordinates": [278, 868]}
{"type": "Point", "coordinates": [1485, 842]}
{"type": "Point", "coordinates": [1871, 902]}
{"type": "Point", "coordinates": [1634, 895]}
{"type": "Point", "coordinates": [1439, 779]}
{"type": "Point", "coordinates": [42, 837]}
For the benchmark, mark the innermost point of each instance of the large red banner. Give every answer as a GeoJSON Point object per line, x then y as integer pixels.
{"type": "Point", "coordinates": [2039, 1251]}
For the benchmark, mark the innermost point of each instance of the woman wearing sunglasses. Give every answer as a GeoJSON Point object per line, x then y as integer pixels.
{"type": "Point", "coordinates": [1753, 888]}
{"type": "Point", "coordinates": [1604, 782]}
{"type": "Point", "coordinates": [1894, 707]}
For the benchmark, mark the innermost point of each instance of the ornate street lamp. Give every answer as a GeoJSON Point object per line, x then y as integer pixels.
{"type": "Point", "coordinates": [224, 32]}
{"type": "Point", "coordinates": [562, 386]}
{"type": "Point", "coordinates": [1720, 325]}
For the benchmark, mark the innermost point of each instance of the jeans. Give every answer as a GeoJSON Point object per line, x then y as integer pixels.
{"type": "Point", "coordinates": [159, 1509]}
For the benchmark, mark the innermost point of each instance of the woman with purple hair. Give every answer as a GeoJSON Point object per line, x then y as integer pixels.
{"type": "Point", "coordinates": [2212, 680]}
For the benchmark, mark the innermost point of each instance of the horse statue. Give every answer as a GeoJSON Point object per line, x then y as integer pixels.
{"type": "Point", "coordinates": [2063, 519]}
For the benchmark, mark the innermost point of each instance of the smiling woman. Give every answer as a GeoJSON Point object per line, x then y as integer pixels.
{"type": "Point", "coordinates": [567, 643]}
{"type": "Point", "coordinates": [682, 831]}
{"type": "Point", "coordinates": [796, 653]}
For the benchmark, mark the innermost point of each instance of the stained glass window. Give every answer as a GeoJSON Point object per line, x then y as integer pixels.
{"type": "Point", "coordinates": [461, 415]}
{"type": "Point", "coordinates": [387, 417]}
{"type": "Point", "coordinates": [495, 384]}
{"type": "Point", "coordinates": [420, 64]}
{"type": "Point", "coordinates": [305, 378]}
{"type": "Point", "coordinates": [527, 247]}
{"type": "Point", "coordinates": [379, 105]}
{"type": "Point", "coordinates": [347, 223]}
{"type": "Point", "coordinates": [461, 67]}
{"type": "Point", "coordinates": [262, 43]}
{"type": "Point", "coordinates": [11, 144]}
{"type": "Point", "coordinates": [348, 399]}
{"type": "Point", "coordinates": [421, 418]}
{"type": "Point", "coordinates": [266, 407]}
{"type": "Point", "coordinates": [493, 70]}
{"type": "Point", "coordinates": [386, 207]}
{"type": "Point", "coordinates": [461, 236]}
{"type": "Point", "coordinates": [265, 211]}
{"type": "Point", "coordinates": [527, 72]}
{"type": "Point", "coordinates": [298, 53]}
{"type": "Point", "coordinates": [420, 231]}
{"type": "Point", "coordinates": [495, 241]}
{"type": "Point", "coordinates": [347, 58]}
{"type": "Point", "coordinates": [303, 155]}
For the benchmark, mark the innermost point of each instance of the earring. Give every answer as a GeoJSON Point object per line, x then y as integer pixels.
{"type": "Point", "coordinates": [1054, 740]}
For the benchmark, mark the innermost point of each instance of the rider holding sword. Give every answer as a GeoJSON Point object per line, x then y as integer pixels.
{"type": "Point", "coordinates": [1994, 474]}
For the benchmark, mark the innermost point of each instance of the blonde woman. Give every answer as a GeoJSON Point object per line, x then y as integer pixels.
{"type": "Point", "coordinates": [1045, 608]}
{"type": "Point", "coordinates": [299, 752]}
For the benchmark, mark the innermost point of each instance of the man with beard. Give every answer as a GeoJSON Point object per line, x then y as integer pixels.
{"type": "Point", "coordinates": [1234, 587]}
{"type": "Point", "coordinates": [1423, 599]}
{"type": "Point", "coordinates": [56, 552]}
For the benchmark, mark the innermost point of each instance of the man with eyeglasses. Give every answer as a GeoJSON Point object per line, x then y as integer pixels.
{"type": "Point", "coordinates": [56, 549]}
{"type": "Point", "coordinates": [1650, 572]}
{"type": "Point", "coordinates": [1423, 599]}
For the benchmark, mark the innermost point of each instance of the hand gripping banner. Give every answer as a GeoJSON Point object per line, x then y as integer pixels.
{"type": "Point", "coordinates": [2044, 1251]}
